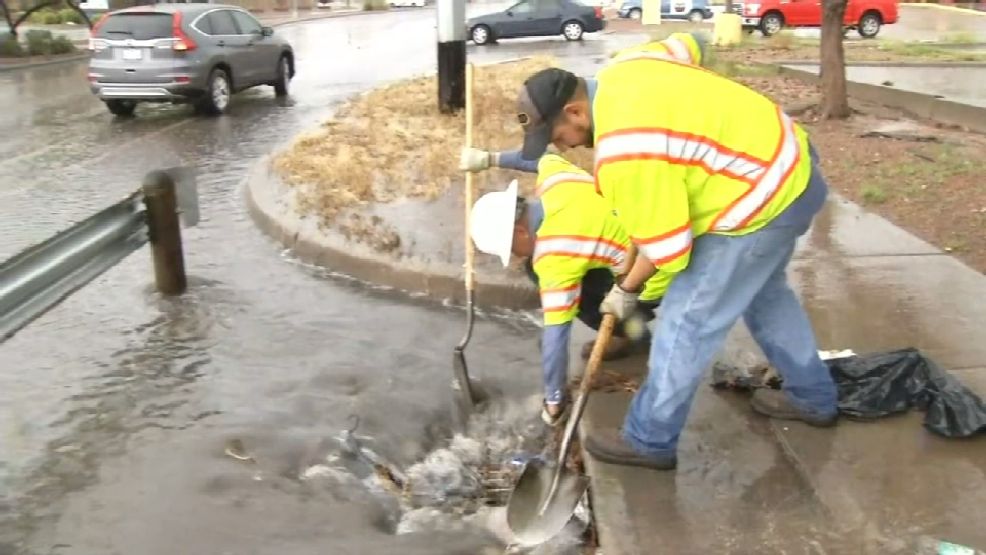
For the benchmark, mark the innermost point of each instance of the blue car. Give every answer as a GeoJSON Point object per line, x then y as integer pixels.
{"type": "Point", "coordinates": [692, 10]}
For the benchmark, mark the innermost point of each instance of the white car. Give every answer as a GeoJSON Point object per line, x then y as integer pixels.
{"type": "Point", "coordinates": [406, 3]}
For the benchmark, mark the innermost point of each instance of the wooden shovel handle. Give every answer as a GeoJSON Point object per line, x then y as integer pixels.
{"type": "Point", "coordinates": [470, 249]}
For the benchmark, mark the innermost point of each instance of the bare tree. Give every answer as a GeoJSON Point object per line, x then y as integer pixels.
{"type": "Point", "coordinates": [80, 11]}
{"type": "Point", "coordinates": [13, 23]}
{"type": "Point", "coordinates": [835, 99]}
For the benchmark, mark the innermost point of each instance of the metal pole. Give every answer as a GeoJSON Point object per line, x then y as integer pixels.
{"type": "Point", "coordinates": [164, 233]}
{"type": "Point", "coordinates": [451, 55]}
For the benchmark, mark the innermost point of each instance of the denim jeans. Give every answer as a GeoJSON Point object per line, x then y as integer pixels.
{"type": "Point", "coordinates": [727, 277]}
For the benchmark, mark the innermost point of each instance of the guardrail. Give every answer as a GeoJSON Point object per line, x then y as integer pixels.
{"type": "Point", "coordinates": [40, 277]}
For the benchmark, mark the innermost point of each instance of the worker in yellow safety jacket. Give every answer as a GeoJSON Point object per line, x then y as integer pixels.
{"type": "Point", "coordinates": [573, 245]}
{"type": "Point", "coordinates": [714, 183]}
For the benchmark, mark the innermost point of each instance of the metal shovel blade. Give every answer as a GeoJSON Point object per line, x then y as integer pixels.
{"type": "Point", "coordinates": [531, 522]}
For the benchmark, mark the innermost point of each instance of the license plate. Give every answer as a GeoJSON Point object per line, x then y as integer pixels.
{"type": "Point", "coordinates": [132, 54]}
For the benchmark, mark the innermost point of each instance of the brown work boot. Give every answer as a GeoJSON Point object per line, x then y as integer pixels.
{"type": "Point", "coordinates": [618, 347]}
{"type": "Point", "coordinates": [775, 404]}
{"type": "Point", "coordinates": [608, 446]}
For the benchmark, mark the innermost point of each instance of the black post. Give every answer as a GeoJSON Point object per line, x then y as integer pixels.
{"type": "Point", "coordinates": [164, 233]}
{"type": "Point", "coordinates": [451, 55]}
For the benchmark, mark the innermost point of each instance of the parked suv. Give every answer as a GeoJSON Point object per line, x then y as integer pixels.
{"type": "Point", "coordinates": [184, 53]}
{"type": "Point", "coordinates": [695, 11]}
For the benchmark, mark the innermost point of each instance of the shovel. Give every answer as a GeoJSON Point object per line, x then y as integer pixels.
{"type": "Point", "coordinates": [467, 395]}
{"type": "Point", "coordinates": [544, 498]}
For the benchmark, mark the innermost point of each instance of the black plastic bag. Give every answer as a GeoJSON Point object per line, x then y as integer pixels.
{"type": "Point", "coordinates": [871, 386]}
{"type": "Point", "coordinates": [880, 384]}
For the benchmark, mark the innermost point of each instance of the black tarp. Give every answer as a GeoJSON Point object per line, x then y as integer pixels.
{"type": "Point", "coordinates": [880, 384]}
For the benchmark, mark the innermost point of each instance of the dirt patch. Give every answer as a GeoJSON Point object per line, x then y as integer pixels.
{"type": "Point", "coordinates": [393, 143]}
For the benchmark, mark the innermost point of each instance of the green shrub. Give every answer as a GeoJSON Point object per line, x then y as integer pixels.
{"type": "Point", "coordinates": [375, 5]}
{"type": "Point", "coordinates": [38, 42]}
{"type": "Point", "coordinates": [68, 15]}
{"type": "Point", "coordinates": [52, 18]}
{"type": "Point", "coordinates": [61, 45]}
{"type": "Point", "coordinates": [39, 16]}
{"type": "Point", "coordinates": [9, 47]}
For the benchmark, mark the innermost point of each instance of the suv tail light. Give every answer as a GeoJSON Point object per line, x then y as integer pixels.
{"type": "Point", "coordinates": [599, 12]}
{"type": "Point", "coordinates": [183, 43]}
{"type": "Point", "coordinates": [94, 43]}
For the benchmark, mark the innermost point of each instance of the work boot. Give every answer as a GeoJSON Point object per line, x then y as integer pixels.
{"type": "Point", "coordinates": [775, 404]}
{"type": "Point", "coordinates": [608, 446]}
{"type": "Point", "coordinates": [617, 348]}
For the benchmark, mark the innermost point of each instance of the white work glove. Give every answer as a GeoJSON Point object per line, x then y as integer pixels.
{"type": "Point", "coordinates": [474, 160]}
{"type": "Point", "coordinates": [619, 303]}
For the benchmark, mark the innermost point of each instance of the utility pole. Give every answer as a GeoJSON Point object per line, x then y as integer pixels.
{"type": "Point", "coordinates": [451, 55]}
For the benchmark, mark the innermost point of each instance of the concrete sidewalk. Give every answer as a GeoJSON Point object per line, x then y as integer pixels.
{"type": "Point", "coordinates": [747, 484]}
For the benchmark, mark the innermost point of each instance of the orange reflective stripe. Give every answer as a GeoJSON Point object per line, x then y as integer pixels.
{"type": "Point", "coordinates": [665, 247]}
{"type": "Point", "coordinates": [562, 178]}
{"type": "Point", "coordinates": [677, 148]}
{"type": "Point", "coordinates": [679, 50]}
{"type": "Point", "coordinates": [785, 160]}
{"type": "Point", "coordinates": [578, 246]}
{"type": "Point", "coordinates": [560, 300]}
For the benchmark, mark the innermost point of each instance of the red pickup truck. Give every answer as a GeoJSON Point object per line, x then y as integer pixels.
{"type": "Point", "coordinates": [770, 16]}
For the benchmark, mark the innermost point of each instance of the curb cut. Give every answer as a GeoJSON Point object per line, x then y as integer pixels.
{"type": "Point", "coordinates": [271, 206]}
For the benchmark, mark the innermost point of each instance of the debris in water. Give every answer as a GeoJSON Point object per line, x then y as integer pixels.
{"type": "Point", "coordinates": [236, 449]}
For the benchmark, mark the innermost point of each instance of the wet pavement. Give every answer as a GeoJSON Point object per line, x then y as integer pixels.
{"type": "Point", "coordinates": [753, 485]}
{"type": "Point", "coordinates": [115, 407]}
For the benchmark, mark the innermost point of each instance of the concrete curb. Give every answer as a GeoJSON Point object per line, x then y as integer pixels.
{"type": "Point", "coordinates": [85, 55]}
{"type": "Point", "coordinates": [886, 64]}
{"type": "Point", "coordinates": [944, 8]}
{"type": "Point", "coordinates": [272, 207]}
{"type": "Point", "coordinates": [29, 65]}
{"type": "Point", "coordinates": [919, 105]}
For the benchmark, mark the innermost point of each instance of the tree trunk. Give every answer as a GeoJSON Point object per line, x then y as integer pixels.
{"type": "Point", "coordinates": [80, 11]}
{"type": "Point", "coordinates": [835, 101]}
{"type": "Point", "coordinates": [6, 16]}
{"type": "Point", "coordinates": [27, 14]}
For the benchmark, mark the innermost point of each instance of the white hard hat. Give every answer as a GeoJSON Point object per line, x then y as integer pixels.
{"type": "Point", "coordinates": [492, 222]}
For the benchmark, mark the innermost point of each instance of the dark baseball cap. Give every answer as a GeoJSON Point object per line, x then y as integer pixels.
{"type": "Point", "coordinates": [539, 104]}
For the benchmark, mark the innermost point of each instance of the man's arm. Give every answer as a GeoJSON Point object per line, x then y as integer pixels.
{"type": "Point", "coordinates": [554, 360]}
{"type": "Point", "coordinates": [475, 160]}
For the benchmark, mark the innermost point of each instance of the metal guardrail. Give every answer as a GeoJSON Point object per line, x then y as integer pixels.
{"type": "Point", "coordinates": [40, 277]}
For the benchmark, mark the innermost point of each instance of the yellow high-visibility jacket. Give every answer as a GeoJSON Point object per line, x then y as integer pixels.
{"type": "Point", "coordinates": [682, 151]}
{"type": "Point", "coordinates": [579, 233]}
{"type": "Point", "coordinates": [683, 47]}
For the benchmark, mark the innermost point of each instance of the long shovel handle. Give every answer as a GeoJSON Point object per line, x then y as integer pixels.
{"type": "Point", "coordinates": [470, 249]}
{"type": "Point", "coordinates": [589, 376]}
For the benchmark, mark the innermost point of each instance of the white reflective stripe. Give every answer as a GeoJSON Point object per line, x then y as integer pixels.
{"type": "Point", "coordinates": [580, 248]}
{"type": "Point", "coordinates": [677, 149]}
{"type": "Point", "coordinates": [754, 200]}
{"type": "Point", "coordinates": [668, 248]}
{"type": "Point", "coordinates": [679, 50]}
{"type": "Point", "coordinates": [559, 299]}
{"type": "Point", "coordinates": [561, 177]}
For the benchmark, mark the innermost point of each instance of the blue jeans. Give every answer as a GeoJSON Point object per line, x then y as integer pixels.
{"type": "Point", "coordinates": [727, 277]}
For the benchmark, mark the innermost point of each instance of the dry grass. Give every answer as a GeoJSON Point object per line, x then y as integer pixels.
{"type": "Point", "coordinates": [392, 143]}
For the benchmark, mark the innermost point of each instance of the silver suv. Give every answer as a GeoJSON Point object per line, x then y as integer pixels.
{"type": "Point", "coordinates": [181, 53]}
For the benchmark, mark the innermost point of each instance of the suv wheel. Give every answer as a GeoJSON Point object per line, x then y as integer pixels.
{"type": "Point", "coordinates": [696, 16]}
{"type": "Point", "coordinates": [572, 30]}
{"type": "Point", "coordinates": [771, 24]}
{"type": "Point", "coordinates": [283, 77]}
{"type": "Point", "coordinates": [217, 93]}
{"type": "Point", "coordinates": [869, 25]}
{"type": "Point", "coordinates": [635, 13]}
{"type": "Point", "coordinates": [122, 108]}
